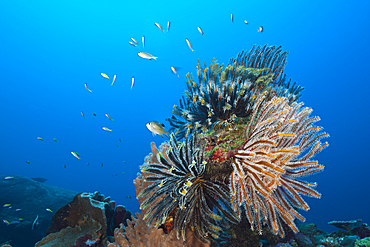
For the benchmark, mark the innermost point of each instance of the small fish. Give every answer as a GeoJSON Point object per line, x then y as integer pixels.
{"type": "Point", "coordinates": [106, 129]}
{"type": "Point", "coordinates": [156, 128]}
{"type": "Point", "coordinates": [6, 205]}
{"type": "Point", "coordinates": [83, 115]}
{"type": "Point", "coordinates": [94, 114]}
{"type": "Point", "coordinates": [87, 88]}
{"type": "Point", "coordinates": [168, 26]}
{"type": "Point", "coordinates": [132, 82]}
{"type": "Point", "coordinates": [120, 139]}
{"type": "Point", "coordinates": [10, 207]}
{"type": "Point", "coordinates": [117, 145]}
{"type": "Point", "coordinates": [107, 115]}
{"type": "Point", "coordinates": [146, 55]}
{"type": "Point", "coordinates": [8, 177]}
{"type": "Point", "coordinates": [201, 31]}
{"type": "Point", "coordinates": [88, 164]}
{"type": "Point", "coordinates": [104, 75]}
{"type": "Point", "coordinates": [232, 18]}
{"type": "Point", "coordinates": [189, 44]}
{"type": "Point", "coordinates": [174, 71]}
{"type": "Point", "coordinates": [35, 222]}
{"type": "Point", "coordinates": [114, 79]}
{"type": "Point", "coordinates": [18, 209]}
{"type": "Point", "coordinates": [128, 197]}
{"type": "Point", "coordinates": [55, 140]}
{"type": "Point", "coordinates": [134, 40]}
{"type": "Point", "coordinates": [28, 162]}
{"type": "Point", "coordinates": [6, 222]}
{"type": "Point", "coordinates": [143, 40]}
{"type": "Point", "coordinates": [75, 155]}
{"type": "Point", "coordinates": [123, 172]}
{"type": "Point", "coordinates": [102, 165]}
{"type": "Point", "coordinates": [20, 218]}
{"type": "Point", "coordinates": [133, 44]}
{"type": "Point", "coordinates": [260, 29]}
{"type": "Point", "coordinates": [159, 26]}
{"type": "Point", "coordinates": [49, 210]}
{"type": "Point", "coordinates": [124, 161]}
{"type": "Point", "coordinates": [246, 22]}
{"type": "Point", "coordinates": [39, 138]}
{"type": "Point", "coordinates": [65, 166]}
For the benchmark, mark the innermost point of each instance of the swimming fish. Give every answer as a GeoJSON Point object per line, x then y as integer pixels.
{"type": "Point", "coordinates": [6, 205]}
{"type": "Point", "coordinates": [132, 82]}
{"type": "Point", "coordinates": [75, 155]}
{"type": "Point", "coordinates": [260, 29]}
{"type": "Point", "coordinates": [120, 139]}
{"type": "Point", "coordinates": [134, 40]}
{"type": "Point", "coordinates": [6, 222]}
{"type": "Point", "coordinates": [146, 55]}
{"type": "Point", "coordinates": [106, 129]}
{"type": "Point", "coordinates": [159, 26]}
{"type": "Point", "coordinates": [83, 114]}
{"type": "Point", "coordinates": [156, 128]}
{"type": "Point", "coordinates": [107, 115]}
{"type": "Point", "coordinates": [35, 222]}
{"type": "Point", "coordinates": [102, 165]}
{"type": "Point", "coordinates": [87, 88]}
{"type": "Point", "coordinates": [94, 114]}
{"type": "Point", "coordinates": [49, 210]}
{"type": "Point", "coordinates": [245, 21]}
{"type": "Point", "coordinates": [55, 140]}
{"type": "Point", "coordinates": [133, 44]}
{"type": "Point", "coordinates": [28, 162]}
{"type": "Point", "coordinates": [143, 40]}
{"type": "Point", "coordinates": [117, 145]}
{"type": "Point", "coordinates": [39, 138]}
{"type": "Point", "coordinates": [232, 18]}
{"type": "Point", "coordinates": [123, 172]}
{"type": "Point", "coordinates": [8, 177]}
{"type": "Point", "coordinates": [128, 197]}
{"type": "Point", "coordinates": [174, 71]}
{"type": "Point", "coordinates": [114, 79]}
{"type": "Point", "coordinates": [168, 26]}
{"type": "Point", "coordinates": [104, 75]}
{"type": "Point", "coordinates": [201, 31]}
{"type": "Point", "coordinates": [88, 164]}
{"type": "Point", "coordinates": [18, 209]}
{"type": "Point", "coordinates": [189, 44]}
{"type": "Point", "coordinates": [65, 166]}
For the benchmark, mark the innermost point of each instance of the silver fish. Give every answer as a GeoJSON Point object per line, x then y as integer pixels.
{"type": "Point", "coordinates": [156, 128]}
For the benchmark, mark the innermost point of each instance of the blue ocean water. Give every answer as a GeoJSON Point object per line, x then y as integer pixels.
{"type": "Point", "coordinates": [50, 49]}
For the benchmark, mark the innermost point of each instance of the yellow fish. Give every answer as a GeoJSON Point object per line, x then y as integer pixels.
{"type": "Point", "coordinates": [174, 71]}
{"type": "Point", "coordinates": [55, 140]}
{"type": "Point", "coordinates": [39, 138]}
{"type": "Point", "coordinates": [132, 82]}
{"type": "Point", "coordinates": [260, 29]}
{"type": "Point", "coordinates": [159, 26]}
{"type": "Point", "coordinates": [104, 75]}
{"type": "Point", "coordinates": [146, 55]}
{"type": "Point", "coordinates": [106, 129]}
{"type": "Point", "coordinates": [114, 79]}
{"type": "Point", "coordinates": [189, 44]}
{"type": "Point", "coordinates": [201, 31]}
{"type": "Point", "coordinates": [18, 209]}
{"type": "Point", "coordinates": [49, 210]}
{"type": "Point", "coordinates": [107, 115]}
{"type": "Point", "coordinates": [245, 21]}
{"type": "Point", "coordinates": [6, 222]}
{"type": "Point", "coordinates": [134, 40]}
{"type": "Point", "coordinates": [20, 218]}
{"type": "Point", "coordinates": [87, 88]}
{"type": "Point", "coordinates": [75, 155]}
{"type": "Point", "coordinates": [6, 205]}
{"type": "Point", "coordinates": [8, 177]}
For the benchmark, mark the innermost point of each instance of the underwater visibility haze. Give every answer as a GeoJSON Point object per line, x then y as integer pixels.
{"type": "Point", "coordinates": [65, 119]}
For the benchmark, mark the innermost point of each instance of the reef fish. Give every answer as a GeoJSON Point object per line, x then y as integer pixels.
{"type": "Point", "coordinates": [83, 114]}
{"type": "Point", "coordinates": [189, 44]}
{"type": "Point", "coordinates": [35, 222]}
{"type": "Point", "coordinates": [55, 140]}
{"type": "Point", "coordinates": [94, 114]}
{"type": "Point", "coordinates": [107, 115]}
{"type": "Point", "coordinates": [75, 155]}
{"type": "Point", "coordinates": [6, 205]}
{"type": "Point", "coordinates": [104, 75]}
{"type": "Point", "coordinates": [106, 129]}
{"type": "Point", "coordinates": [260, 29]}
{"type": "Point", "coordinates": [143, 40]}
{"type": "Point", "coordinates": [8, 177]}
{"type": "Point", "coordinates": [159, 26]}
{"type": "Point", "coordinates": [133, 44]}
{"type": "Point", "coordinates": [201, 31]}
{"type": "Point", "coordinates": [174, 71]}
{"type": "Point", "coordinates": [147, 55]}
{"type": "Point", "coordinates": [168, 26]}
{"type": "Point", "coordinates": [6, 222]}
{"type": "Point", "coordinates": [134, 41]}
{"type": "Point", "coordinates": [28, 162]}
{"type": "Point", "coordinates": [232, 18]}
{"type": "Point", "coordinates": [245, 21]}
{"type": "Point", "coordinates": [39, 138]}
{"type": "Point", "coordinates": [49, 210]}
{"type": "Point", "coordinates": [114, 79]}
{"type": "Point", "coordinates": [87, 88]}
{"type": "Point", "coordinates": [156, 128]}
{"type": "Point", "coordinates": [132, 82]}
